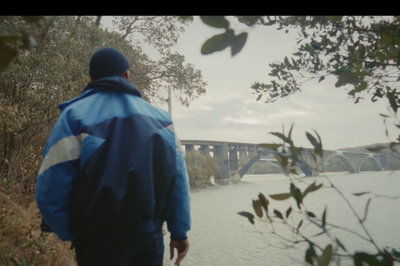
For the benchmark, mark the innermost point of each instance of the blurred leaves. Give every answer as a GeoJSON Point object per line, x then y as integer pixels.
{"type": "Point", "coordinates": [288, 212]}
{"type": "Point", "coordinates": [264, 202]}
{"type": "Point", "coordinates": [326, 256]}
{"type": "Point", "coordinates": [10, 43]}
{"type": "Point", "coordinates": [215, 21]}
{"type": "Point", "coordinates": [282, 196]}
{"type": "Point", "coordinates": [248, 215]}
{"type": "Point", "coordinates": [311, 188]}
{"type": "Point", "coordinates": [257, 208]}
{"type": "Point", "coordinates": [221, 41]}
{"type": "Point", "coordinates": [361, 54]}
{"type": "Point", "coordinates": [278, 214]}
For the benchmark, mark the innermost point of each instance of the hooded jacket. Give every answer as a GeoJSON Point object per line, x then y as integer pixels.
{"type": "Point", "coordinates": [113, 167]}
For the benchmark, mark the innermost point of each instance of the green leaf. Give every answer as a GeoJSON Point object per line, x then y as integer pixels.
{"type": "Point", "coordinates": [281, 136]}
{"type": "Point", "coordinates": [288, 212]}
{"type": "Point", "coordinates": [312, 215]}
{"type": "Point", "coordinates": [290, 131]}
{"type": "Point", "coordinates": [282, 196]}
{"type": "Point", "coordinates": [371, 260]}
{"type": "Point", "coordinates": [248, 215]}
{"type": "Point", "coordinates": [257, 208]}
{"type": "Point", "coordinates": [326, 256]}
{"type": "Point", "coordinates": [296, 194]}
{"type": "Point", "coordinates": [278, 214]}
{"type": "Point", "coordinates": [317, 145]}
{"type": "Point", "coordinates": [392, 100]}
{"type": "Point", "coordinates": [249, 20]}
{"type": "Point", "coordinates": [396, 253]}
{"type": "Point", "coordinates": [217, 43]}
{"type": "Point", "coordinates": [346, 76]}
{"type": "Point", "coordinates": [238, 43]}
{"type": "Point", "coordinates": [340, 244]}
{"type": "Point", "coordinates": [324, 218]}
{"type": "Point", "coordinates": [310, 254]}
{"type": "Point", "coordinates": [215, 21]}
{"type": "Point", "coordinates": [360, 87]}
{"type": "Point", "coordinates": [286, 61]}
{"type": "Point", "coordinates": [264, 202]}
{"type": "Point", "coordinates": [311, 188]}
{"type": "Point", "coordinates": [312, 140]}
{"type": "Point", "coordinates": [299, 225]}
{"type": "Point", "coordinates": [32, 19]}
{"type": "Point", "coordinates": [387, 39]}
{"type": "Point", "coordinates": [361, 193]}
{"type": "Point", "coordinates": [366, 210]}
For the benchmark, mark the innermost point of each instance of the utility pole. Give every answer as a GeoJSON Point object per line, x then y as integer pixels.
{"type": "Point", "coordinates": [169, 100]}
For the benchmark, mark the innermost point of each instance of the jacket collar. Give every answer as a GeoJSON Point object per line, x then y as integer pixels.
{"type": "Point", "coordinates": [116, 83]}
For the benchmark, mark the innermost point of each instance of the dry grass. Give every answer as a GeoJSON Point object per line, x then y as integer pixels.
{"type": "Point", "coordinates": [22, 243]}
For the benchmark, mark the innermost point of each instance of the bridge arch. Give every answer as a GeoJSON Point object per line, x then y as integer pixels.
{"type": "Point", "coordinates": [374, 162]}
{"type": "Point", "coordinates": [344, 160]}
{"type": "Point", "coordinates": [307, 170]}
{"type": "Point", "coordinates": [243, 170]}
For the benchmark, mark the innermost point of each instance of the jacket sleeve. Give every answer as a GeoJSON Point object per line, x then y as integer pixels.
{"type": "Point", "coordinates": [57, 176]}
{"type": "Point", "coordinates": [180, 222]}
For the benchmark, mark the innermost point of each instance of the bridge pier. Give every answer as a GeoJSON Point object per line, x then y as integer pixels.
{"type": "Point", "coordinates": [233, 159]}
{"type": "Point", "coordinates": [189, 148]}
{"type": "Point", "coordinates": [205, 150]}
{"type": "Point", "coordinates": [242, 155]}
{"type": "Point", "coordinates": [221, 153]}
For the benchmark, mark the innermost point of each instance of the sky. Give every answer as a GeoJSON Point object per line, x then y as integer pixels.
{"type": "Point", "coordinates": [229, 111]}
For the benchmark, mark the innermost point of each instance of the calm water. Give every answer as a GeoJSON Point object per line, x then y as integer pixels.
{"type": "Point", "coordinates": [219, 236]}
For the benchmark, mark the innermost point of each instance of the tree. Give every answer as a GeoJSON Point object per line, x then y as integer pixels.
{"type": "Point", "coordinates": [162, 33]}
{"type": "Point", "coordinates": [201, 168]}
{"type": "Point", "coordinates": [20, 39]}
{"type": "Point", "coordinates": [362, 52]}
{"type": "Point", "coordinates": [55, 70]}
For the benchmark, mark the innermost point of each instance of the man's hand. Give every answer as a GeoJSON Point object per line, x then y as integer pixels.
{"type": "Point", "coordinates": [182, 247]}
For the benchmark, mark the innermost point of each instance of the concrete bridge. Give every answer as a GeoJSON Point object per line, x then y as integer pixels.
{"type": "Point", "coordinates": [238, 158]}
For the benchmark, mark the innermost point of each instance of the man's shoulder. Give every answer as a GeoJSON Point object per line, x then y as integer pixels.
{"type": "Point", "coordinates": [96, 107]}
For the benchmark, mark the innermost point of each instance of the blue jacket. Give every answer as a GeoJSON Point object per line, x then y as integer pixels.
{"type": "Point", "coordinates": [113, 167]}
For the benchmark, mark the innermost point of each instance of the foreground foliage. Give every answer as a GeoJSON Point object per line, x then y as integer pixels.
{"type": "Point", "coordinates": [289, 157]}
{"type": "Point", "coordinates": [363, 53]}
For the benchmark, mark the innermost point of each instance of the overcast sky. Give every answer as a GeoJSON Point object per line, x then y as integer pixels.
{"type": "Point", "coordinates": [230, 112]}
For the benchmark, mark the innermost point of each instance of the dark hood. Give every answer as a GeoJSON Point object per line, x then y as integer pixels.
{"type": "Point", "coordinates": [114, 83]}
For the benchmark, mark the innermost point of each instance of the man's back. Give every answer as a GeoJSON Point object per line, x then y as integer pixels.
{"type": "Point", "coordinates": [113, 172]}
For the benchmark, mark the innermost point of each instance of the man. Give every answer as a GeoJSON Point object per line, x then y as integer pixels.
{"type": "Point", "coordinates": [113, 172]}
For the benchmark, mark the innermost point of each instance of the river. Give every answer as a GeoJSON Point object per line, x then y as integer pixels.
{"type": "Point", "coordinates": [221, 237]}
